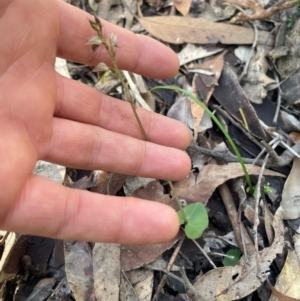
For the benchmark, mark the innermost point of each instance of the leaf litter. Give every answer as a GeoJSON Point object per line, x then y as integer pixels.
{"type": "Point", "coordinates": [255, 95]}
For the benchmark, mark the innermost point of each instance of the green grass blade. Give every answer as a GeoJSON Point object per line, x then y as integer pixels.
{"type": "Point", "coordinates": [218, 123]}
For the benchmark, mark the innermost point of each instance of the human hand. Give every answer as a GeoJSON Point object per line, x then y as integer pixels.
{"type": "Point", "coordinates": [46, 116]}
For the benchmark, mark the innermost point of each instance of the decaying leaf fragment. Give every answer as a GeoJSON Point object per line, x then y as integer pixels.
{"type": "Point", "coordinates": [291, 193]}
{"type": "Point", "coordinates": [183, 6]}
{"type": "Point", "coordinates": [257, 83]}
{"type": "Point", "coordinates": [192, 52]}
{"type": "Point", "coordinates": [203, 86]}
{"type": "Point", "coordinates": [288, 283]}
{"type": "Point", "coordinates": [142, 282]}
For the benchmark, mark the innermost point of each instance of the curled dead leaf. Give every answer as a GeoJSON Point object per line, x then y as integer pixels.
{"type": "Point", "coordinates": [291, 193]}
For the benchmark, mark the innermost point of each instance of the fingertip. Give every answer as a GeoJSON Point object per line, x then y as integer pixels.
{"type": "Point", "coordinates": [184, 167]}
{"type": "Point", "coordinates": [184, 134]}
{"type": "Point", "coordinates": [172, 223]}
{"type": "Point", "coordinates": [167, 224]}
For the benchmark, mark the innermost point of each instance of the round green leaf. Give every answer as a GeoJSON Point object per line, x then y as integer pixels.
{"type": "Point", "coordinates": [236, 254]}
{"type": "Point", "coordinates": [197, 220]}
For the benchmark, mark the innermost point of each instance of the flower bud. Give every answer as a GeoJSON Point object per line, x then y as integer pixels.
{"type": "Point", "coordinates": [101, 67]}
{"type": "Point", "coordinates": [113, 40]}
{"type": "Point", "coordinates": [93, 40]}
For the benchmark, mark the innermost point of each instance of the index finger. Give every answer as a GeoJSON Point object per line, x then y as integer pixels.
{"type": "Point", "coordinates": [135, 53]}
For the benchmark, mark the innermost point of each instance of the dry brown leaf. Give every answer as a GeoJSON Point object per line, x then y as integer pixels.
{"type": "Point", "coordinates": [42, 290]}
{"type": "Point", "coordinates": [127, 292]}
{"type": "Point", "coordinates": [79, 269]}
{"type": "Point", "coordinates": [211, 176]}
{"type": "Point", "coordinates": [288, 283]}
{"type": "Point", "coordinates": [133, 257]}
{"type": "Point", "coordinates": [107, 183]}
{"type": "Point", "coordinates": [183, 6]}
{"type": "Point", "coordinates": [232, 97]}
{"type": "Point", "coordinates": [107, 269]}
{"type": "Point", "coordinates": [231, 283]}
{"type": "Point", "coordinates": [142, 282]}
{"type": "Point", "coordinates": [291, 193]}
{"type": "Point", "coordinates": [178, 30]}
{"type": "Point", "coordinates": [181, 111]}
{"type": "Point", "coordinates": [153, 191]}
{"type": "Point", "coordinates": [214, 64]}
{"type": "Point", "coordinates": [193, 52]}
{"type": "Point", "coordinates": [257, 83]}
{"type": "Point", "coordinates": [134, 183]}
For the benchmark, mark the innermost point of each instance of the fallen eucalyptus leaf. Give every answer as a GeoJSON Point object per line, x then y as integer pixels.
{"type": "Point", "coordinates": [106, 270]}
{"type": "Point", "coordinates": [232, 97]}
{"type": "Point", "coordinates": [178, 30]}
{"type": "Point", "coordinates": [288, 282]}
{"type": "Point", "coordinates": [192, 52]}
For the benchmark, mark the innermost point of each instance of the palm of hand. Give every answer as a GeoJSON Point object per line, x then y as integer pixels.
{"type": "Point", "coordinates": [45, 116]}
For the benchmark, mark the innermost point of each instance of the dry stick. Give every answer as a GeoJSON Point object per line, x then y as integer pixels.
{"type": "Point", "coordinates": [238, 228]}
{"type": "Point", "coordinates": [278, 104]}
{"type": "Point", "coordinates": [204, 253]}
{"type": "Point", "coordinates": [265, 13]}
{"type": "Point", "coordinates": [170, 264]}
{"type": "Point", "coordinates": [273, 144]}
{"type": "Point", "coordinates": [256, 220]}
{"type": "Point", "coordinates": [251, 54]}
{"type": "Point", "coordinates": [184, 280]}
{"type": "Point", "coordinates": [226, 155]}
{"type": "Point", "coordinates": [190, 286]}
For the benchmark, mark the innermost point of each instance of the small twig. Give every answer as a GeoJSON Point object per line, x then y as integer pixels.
{"type": "Point", "coordinates": [204, 253]}
{"type": "Point", "coordinates": [278, 103]}
{"type": "Point", "coordinates": [189, 285]}
{"type": "Point", "coordinates": [256, 219]}
{"type": "Point", "coordinates": [184, 280]}
{"type": "Point", "coordinates": [273, 144]}
{"type": "Point", "coordinates": [226, 156]}
{"type": "Point", "coordinates": [221, 255]}
{"type": "Point", "coordinates": [136, 92]}
{"type": "Point", "coordinates": [251, 53]}
{"type": "Point", "coordinates": [240, 224]}
{"type": "Point", "coordinates": [259, 13]}
{"type": "Point", "coordinates": [169, 266]}
{"type": "Point", "coordinates": [239, 230]}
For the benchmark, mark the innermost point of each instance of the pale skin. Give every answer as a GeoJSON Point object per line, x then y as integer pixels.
{"type": "Point", "coordinates": [48, 117]}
